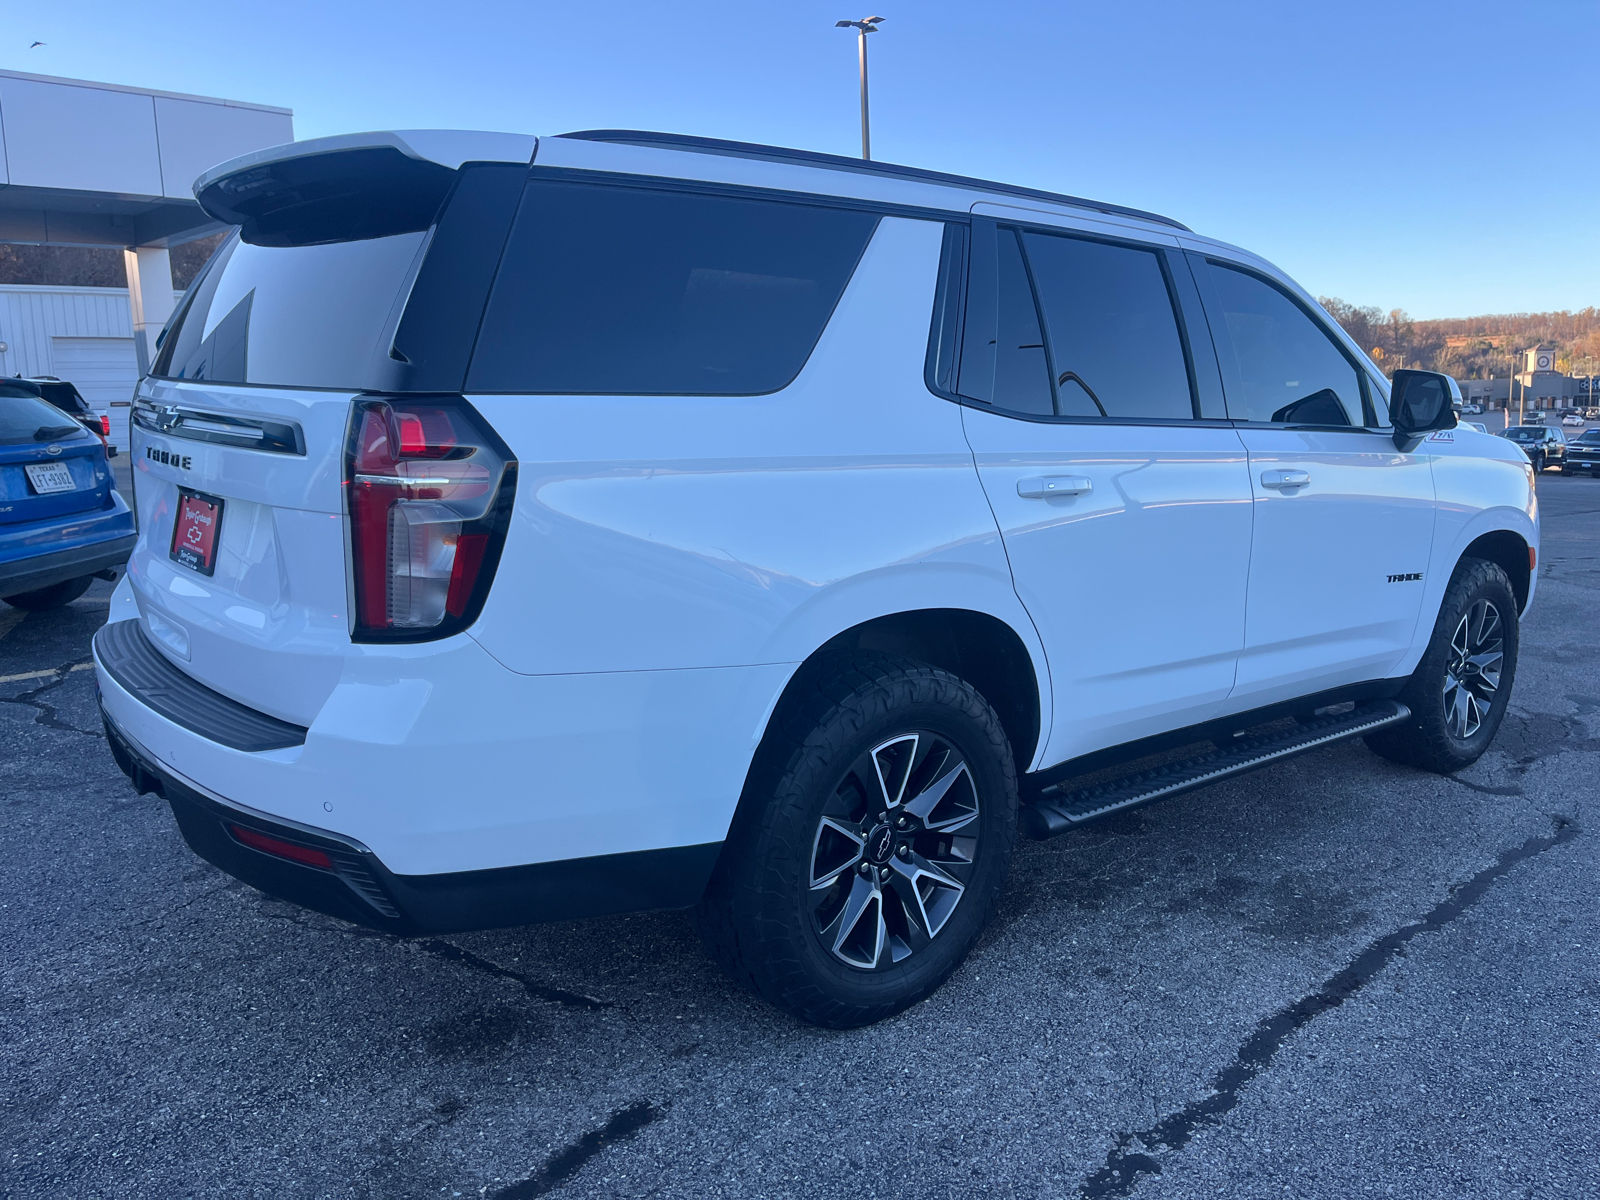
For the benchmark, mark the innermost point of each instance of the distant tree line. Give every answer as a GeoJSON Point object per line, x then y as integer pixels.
{"type": "Point", "coordinates": [1471, 347]}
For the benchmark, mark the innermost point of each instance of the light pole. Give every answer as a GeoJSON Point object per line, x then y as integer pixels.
{"type": "Point", "coordinates": [863, 27]}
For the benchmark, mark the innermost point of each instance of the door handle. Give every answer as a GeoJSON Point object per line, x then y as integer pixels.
{"type": "Point", "coordinates": [1284, 479]}
{"type": "Point", "coordinates": [1043, 486]}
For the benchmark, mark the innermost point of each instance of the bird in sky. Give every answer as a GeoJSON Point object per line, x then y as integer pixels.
{"type": "Point", "coordinates": [35, 45]}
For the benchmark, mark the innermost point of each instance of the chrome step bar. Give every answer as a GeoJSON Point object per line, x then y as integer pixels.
{"type": "Point", "coordinates": [1058, 810]}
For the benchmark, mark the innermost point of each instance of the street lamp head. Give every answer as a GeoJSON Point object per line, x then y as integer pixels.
{"type": "Point", "coordinates": [865, 25]}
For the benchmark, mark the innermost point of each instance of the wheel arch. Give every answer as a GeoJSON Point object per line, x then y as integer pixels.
{"type": "Point", "coordinates": [977, 646]}
{"type": "Point", "coordinates": [1508, 550]}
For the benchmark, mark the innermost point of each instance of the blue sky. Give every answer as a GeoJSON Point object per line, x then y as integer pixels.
{"type": "Point", "coordinates": [1434, 157]}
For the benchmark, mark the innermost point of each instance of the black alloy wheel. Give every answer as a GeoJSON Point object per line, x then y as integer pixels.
{"type": "Point", "coordinates": [1472, 676]}
{"type": "Point", "coordinates": [894, 850]}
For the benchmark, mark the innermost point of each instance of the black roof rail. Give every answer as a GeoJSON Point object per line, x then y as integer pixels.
{"type": "Point", "coordinates": [683, 141]}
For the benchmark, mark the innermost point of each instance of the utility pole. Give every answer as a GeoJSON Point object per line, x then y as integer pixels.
{"type": "Point", "coordinates": [863, 27]}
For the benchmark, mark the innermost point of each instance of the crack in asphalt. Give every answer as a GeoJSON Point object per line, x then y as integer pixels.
{"type": "Point", "coordinates": [539, 991]}
{"type": "Point", "coordinates": [450, 952]}
{"type": "Point", "coordinates": [1485, 788]}
{"type": "Point", "coordinates": [1125, 1164]}
{"type": "Point", "coordinates": [564, 1163]}
{"type": "Point", "coordinates": [47, 712]}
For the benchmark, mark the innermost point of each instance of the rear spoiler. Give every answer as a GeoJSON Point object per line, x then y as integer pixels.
{"type": "Point", "coordinates": [348, 188]}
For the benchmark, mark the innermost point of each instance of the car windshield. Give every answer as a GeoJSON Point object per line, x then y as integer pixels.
{"type": "Point", "coordinates": [26, 418]}
{"type": "Point", "coordinates": [1523, 434]}
{"type": "Point", "coordinates": [1590, 438]}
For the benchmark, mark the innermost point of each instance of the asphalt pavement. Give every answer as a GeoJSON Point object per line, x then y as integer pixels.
{"type": "Point", "coordinates": [1335, 977]}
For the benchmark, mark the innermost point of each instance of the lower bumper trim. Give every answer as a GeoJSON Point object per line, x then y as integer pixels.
{"type": "Point", "coordinates": [45, 570]}
{"type": "Point", "coordinates": [359, 888]}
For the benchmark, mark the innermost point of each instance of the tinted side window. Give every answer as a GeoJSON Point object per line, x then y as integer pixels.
{"type": "Point", "coordinates": [1115, 349]}
{"type": "Point", "coordinates": [629, 291]}
{"type": "Point", "coordinates": [1281, 366]}
{"type": "Point", "coordinates": [1021, 369]}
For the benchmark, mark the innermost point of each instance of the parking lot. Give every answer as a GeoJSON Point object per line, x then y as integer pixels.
{"type": "Point", "coordinates": [1333, 977]}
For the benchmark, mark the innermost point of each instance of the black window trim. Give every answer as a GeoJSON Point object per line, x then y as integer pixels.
{"type": "Point", "coordinates": [953, 293]}
{"type": "Point", "coordinates": [1205, 260]}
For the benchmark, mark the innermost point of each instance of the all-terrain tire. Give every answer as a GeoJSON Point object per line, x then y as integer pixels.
{"type": "Point", "coordinates": [54, 596]}
{"type": "Point", "coordinates": [1430, 738]}
{"type": "Point", "coordinates": [760, 917]}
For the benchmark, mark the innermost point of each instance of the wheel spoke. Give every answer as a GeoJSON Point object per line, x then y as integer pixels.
{"type": "Point", "coordinates": [857, 932]}
{"type": "Point", "coordinates": [936, 892]}
{"type": "Point", "coordinates": [962, 809]}
{"type": "Point", "coordinates": [1488, 666]}
{"type": "Point", "coordinates": [836, 848]}
{"type": "Point", "coordinates": [892, 763]}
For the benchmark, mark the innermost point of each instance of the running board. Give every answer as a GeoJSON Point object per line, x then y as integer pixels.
{"type": "Point", "coordinates": [1057, 811]}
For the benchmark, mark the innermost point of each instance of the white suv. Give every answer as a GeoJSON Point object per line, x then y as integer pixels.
{"type": "Point", "coordinates": [532, 530]}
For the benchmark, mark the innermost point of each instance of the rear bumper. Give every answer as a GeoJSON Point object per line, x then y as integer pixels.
{"type": "Point", "coordinates": [74, 562]}
{"type": "Point", "coordinates": [356, 886]}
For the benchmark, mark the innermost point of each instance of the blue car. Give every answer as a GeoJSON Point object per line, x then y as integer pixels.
{"type": "Point", "coordinates": [61, 522]}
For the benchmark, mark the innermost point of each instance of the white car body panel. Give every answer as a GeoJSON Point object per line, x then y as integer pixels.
{"type": "Point", "coordinates": [1322, 609]}
{"type": "Point", "coordinates": [1158, 550]}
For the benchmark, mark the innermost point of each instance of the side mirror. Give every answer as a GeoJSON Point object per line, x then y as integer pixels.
{"type": "Point", "coordinates": [1419, 403]}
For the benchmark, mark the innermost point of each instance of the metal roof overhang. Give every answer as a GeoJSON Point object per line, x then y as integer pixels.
{"type": "Point", "coordinates": [59, 217]}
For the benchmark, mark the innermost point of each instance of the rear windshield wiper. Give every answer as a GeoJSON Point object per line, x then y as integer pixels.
{"type": "Point", "coordinates": [46, 433]}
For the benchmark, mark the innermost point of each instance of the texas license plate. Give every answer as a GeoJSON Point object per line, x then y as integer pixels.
{"type": "Point", "coordinates": [195, 532]}
{"type": "Point", "coordinates": [50, 477]}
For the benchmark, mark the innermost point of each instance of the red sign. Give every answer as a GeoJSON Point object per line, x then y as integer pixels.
{"type": "Point", "coordinates": [194, 533]}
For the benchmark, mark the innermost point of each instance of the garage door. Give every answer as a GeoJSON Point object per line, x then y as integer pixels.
{"type": "Point", "coordinates": [105, 370]}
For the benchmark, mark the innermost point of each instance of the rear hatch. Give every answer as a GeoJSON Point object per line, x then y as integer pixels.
{"type": "Point", "coordinates": [51, 467]}
{"type": "Point", "coordinates": [354, 284]}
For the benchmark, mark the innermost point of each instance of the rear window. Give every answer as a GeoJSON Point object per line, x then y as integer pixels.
{"type": "Point", "coordinates": [631, 291]}
{"type": "Point", "coordinates": [293, 316]}
{"type": "Point", "coordinates": [26, 418]}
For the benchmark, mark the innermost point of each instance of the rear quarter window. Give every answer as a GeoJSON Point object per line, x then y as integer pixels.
{"type": "Point", "coordinates": [618, 290]}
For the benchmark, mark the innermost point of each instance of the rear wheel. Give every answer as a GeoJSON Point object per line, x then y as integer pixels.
{"type": "Point", "coordinates": [872, 840]}
{"type": "Point", "coordinates": [1459, 691]}
{"type": "Point", "coordinates": [53, 596]}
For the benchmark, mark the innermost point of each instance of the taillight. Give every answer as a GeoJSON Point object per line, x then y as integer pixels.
{"type": "Point", "coordinates": [105, 425]}
{"type": "Point", "coordinates": [429, 488]}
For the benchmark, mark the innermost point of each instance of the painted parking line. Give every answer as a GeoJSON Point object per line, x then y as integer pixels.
{"type": "Point", "coordinates": [42, 674]}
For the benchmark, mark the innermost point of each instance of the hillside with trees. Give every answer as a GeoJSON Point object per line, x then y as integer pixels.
{"type": "Point", "coordinates": [1471, 347]}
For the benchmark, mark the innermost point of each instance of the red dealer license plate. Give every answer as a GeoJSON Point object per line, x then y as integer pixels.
{"type": "Point", "coordinates": [195, 532]}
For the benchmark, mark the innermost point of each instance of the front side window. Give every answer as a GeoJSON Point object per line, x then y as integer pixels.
{"type": "Point", "coordinates": [617, 290]}
{"type": "Point", "coordinates": [1282, 367]}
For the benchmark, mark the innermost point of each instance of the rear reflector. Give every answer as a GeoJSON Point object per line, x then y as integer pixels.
{"type": "Point", "coordinates": [1533, 559]}
{"type": "Point", "coordinates": [308, 856]}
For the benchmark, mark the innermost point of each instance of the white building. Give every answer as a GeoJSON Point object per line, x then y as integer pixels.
{"type": "Point", "coordinates": [98, 164]}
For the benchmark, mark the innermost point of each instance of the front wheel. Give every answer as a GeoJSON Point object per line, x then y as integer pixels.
{"type": "Point", "coordinates": [872, 840]}
{"type": "Point", "coordinates": [1459, 692]}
